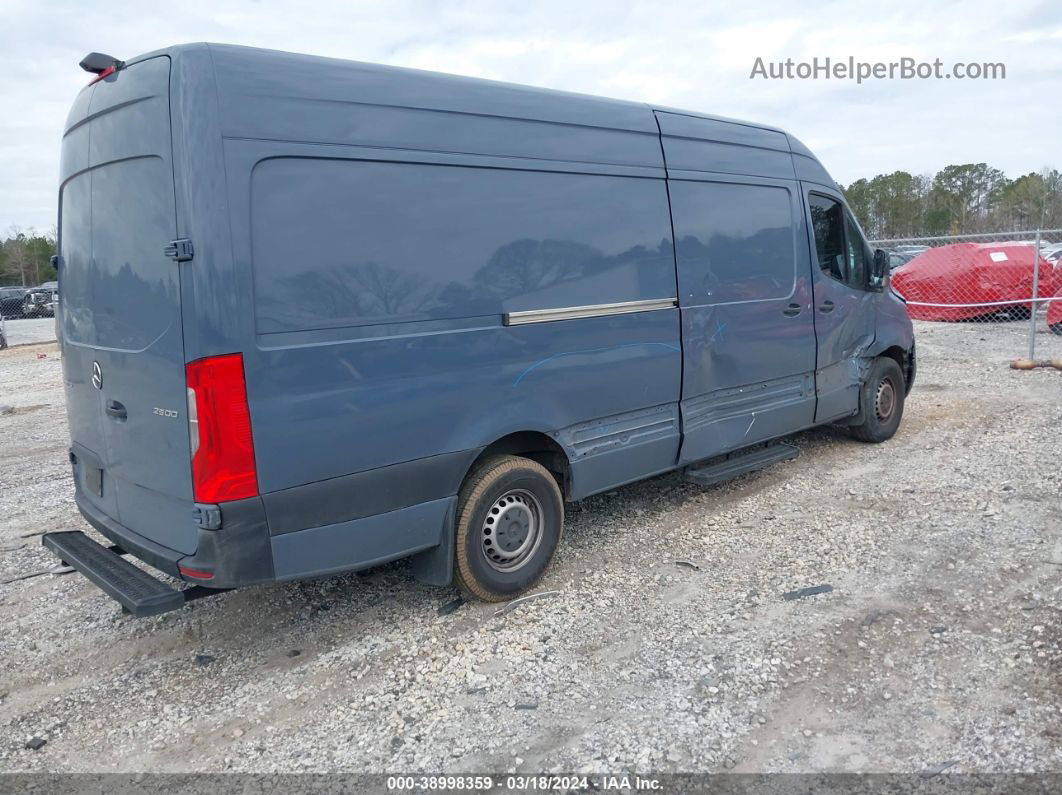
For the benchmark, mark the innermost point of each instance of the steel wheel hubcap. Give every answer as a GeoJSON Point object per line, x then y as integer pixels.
{"type": "Point", "coordinates": [885, 399]}
{"type": "Point", "coordinates": [512, 530]}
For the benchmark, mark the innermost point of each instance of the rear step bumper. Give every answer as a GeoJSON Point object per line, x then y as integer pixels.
{"type": "Point", "coordinates": [137, 591]}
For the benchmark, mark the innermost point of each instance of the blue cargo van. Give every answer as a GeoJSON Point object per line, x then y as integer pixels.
{"type": "Point", "coordinates": [318, 315]}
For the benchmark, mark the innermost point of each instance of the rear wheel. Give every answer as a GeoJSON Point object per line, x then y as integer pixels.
{"type": "Point", "coordinates": [510, 518]}
{"type": "Point", "coordinates": [882, 400]}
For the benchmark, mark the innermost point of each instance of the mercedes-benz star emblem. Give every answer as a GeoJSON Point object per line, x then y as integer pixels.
{"type": "Point", "coordinates": [97, 375]}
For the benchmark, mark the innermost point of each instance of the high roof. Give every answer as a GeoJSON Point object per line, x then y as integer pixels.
{"type": "Point", "coordinates": [289, 96]}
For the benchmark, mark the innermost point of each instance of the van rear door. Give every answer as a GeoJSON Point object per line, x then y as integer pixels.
{"type": "Point", "coordinates": [121, 309]}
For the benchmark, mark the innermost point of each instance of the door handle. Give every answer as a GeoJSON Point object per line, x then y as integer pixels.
{"type": "Point", "coordinates": [826, 306]}
{"type": "Point", "coordinates": [116, 410]}
{"type": "Point", "coordinates": [792, 310]}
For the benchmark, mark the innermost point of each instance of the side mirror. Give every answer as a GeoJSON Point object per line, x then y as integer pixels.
{"type": "Point", "coordinates": [879, 270]}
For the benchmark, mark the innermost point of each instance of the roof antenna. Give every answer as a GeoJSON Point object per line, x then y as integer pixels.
{"type": "Point", "coordinates": [98, 63]}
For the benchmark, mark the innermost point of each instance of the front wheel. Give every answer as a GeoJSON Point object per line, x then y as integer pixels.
{"type": "Point", "coordinates": [510, 518]}
{"type": "Point", "coordinates": [882, 400]}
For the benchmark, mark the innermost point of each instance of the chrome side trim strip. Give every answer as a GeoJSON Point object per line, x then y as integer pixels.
{"type": "Point", "coordinates": [595, 310]}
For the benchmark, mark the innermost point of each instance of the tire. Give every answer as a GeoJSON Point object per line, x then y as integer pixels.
{"type": "Point", "coordinates": [1056, 328]}
{"type": "Point", "coordinates": [882, 398]}
{"type": "Point", "coordinates": [496, 562]}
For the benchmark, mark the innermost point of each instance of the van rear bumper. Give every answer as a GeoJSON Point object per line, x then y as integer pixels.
{"type": "Point", "coordinates": [237, 554]}
{"type": "Point", "coordinates": [162, 558]}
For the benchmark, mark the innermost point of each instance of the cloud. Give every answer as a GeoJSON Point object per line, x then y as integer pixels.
{"type": "Point", "coordinates": [689, 55]}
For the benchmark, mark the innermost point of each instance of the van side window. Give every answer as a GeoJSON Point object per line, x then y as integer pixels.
{"type": "Point", "coordinates": [733, 242]}
{"type": "Point", "coordinates": [827, 219]}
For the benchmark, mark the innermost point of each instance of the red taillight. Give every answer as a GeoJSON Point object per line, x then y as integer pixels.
{"type": "Point", "coordinates": [219, 424]}
{"type": "Point", "coordinates": [197, 574]}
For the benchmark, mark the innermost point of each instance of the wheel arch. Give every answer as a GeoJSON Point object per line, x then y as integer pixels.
{"type": "Point", "coordinates": [906, 360]}
{"type": "Point", "coordinates": [536, 445]}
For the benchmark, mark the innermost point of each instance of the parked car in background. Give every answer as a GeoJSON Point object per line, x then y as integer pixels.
{"type": "Point", "coordinates": [961, 281]}
{"type": "Point", "coordinates": [11, 301]}
{"type": "Point", "coordinates": [1054, 313]}
{"type": "Point", "coordinates": [1052, 253]}
{"type": "Point", "coordinates": [41, 301]}
{"type": "Point", "coordinates": [899, 258]}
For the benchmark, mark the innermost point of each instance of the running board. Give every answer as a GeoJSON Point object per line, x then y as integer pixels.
{"type": "Point", "coordinates": [133, 588]}
{"type": "Point", "coordinates": [739, 462]}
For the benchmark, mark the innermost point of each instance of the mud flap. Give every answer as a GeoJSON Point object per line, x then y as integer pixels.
{"type": "Point", "coordinates": [435, 566]}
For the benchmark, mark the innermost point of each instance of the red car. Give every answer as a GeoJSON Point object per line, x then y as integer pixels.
{"type": "Point", "coordinates": [967, 280]}
{"type": "Point", "coordinates": [1054, 313]}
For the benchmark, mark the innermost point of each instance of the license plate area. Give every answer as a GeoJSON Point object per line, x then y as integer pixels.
{"type": "Point", "coordinates": [91, 471]}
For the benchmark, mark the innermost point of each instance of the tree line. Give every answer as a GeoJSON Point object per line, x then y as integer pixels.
{"type": "Point", "coordinates": [25, 257]}
{"type": "Point", "coordinates": [957, 200]}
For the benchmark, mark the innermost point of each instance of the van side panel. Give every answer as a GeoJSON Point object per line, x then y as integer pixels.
{"type": "Point", "coordinates": [425, 366]}
{"type": "Point", "coordinates": [748, 325]}
{"type": "Point", "coordinates": [807, 166]}
{"type": "Point", "coordinates": [343, 243]}
{"type": "Point", "coordinates": [381, 346]}
{"type": "Point", "coordinates": [611, 451]}
{"type": "Point", "coordinates": [364, 542]}
{"type": "Point", "coordinates": [287, 97]}
{"type": "Point", "coordinates": [744, 276]}
{"type": "Point", "coordinates": [693, 143]}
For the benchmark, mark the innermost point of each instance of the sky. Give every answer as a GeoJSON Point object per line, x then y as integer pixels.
{"type": "Point", "coordinates": [692, 55]}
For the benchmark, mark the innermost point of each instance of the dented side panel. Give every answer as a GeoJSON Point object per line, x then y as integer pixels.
{"type": "Point", "coordinates": [748, 333]}
{"type": "Point", "coordinates": [846, 337]}
{"type": "Point", "coordinates": [607, 452]}
{"type": "Point", "coordinates": [729, 419]}
{"type": "Point", "coordinates": [845, 327]}
{"type": "Point", "coordinates": [892, 327]}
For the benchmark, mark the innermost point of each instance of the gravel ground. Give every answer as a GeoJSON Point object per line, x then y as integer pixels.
{"type": "Point", "coordinates": [940, 642]}
{"type": "Point", "coordinates": [26, 331]}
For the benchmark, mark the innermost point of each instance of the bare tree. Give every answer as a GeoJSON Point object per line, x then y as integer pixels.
{"type": "Point", "coordinates": [18, 254]}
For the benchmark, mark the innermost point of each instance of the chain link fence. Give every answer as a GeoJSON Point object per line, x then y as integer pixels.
{"type": "Point", "coordinates": [995, 278]}
{"type": "Point", "coordinates": [26, 331]}
{"type": "Point", "coordinates": [27, 314]}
